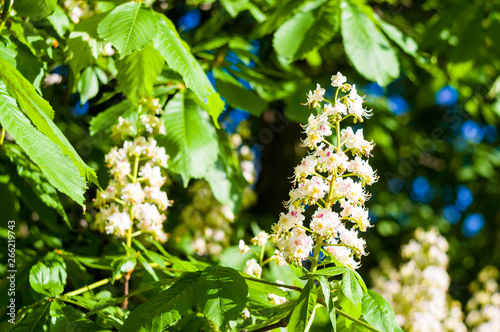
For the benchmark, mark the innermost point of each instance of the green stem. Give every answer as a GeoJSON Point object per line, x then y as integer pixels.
{"type": "Point", "coordinates": [317, 250]}
{"type": "Point", "coordinates": [92, 286]}
{"type": "Point", "coordinates": [298, 289]}
{"type": "Point", "coordinates": [261, 256]}
{"type": "Point", "coordinates": [7, 5]}
{"type": "Point", "coordinates": [2, 136]}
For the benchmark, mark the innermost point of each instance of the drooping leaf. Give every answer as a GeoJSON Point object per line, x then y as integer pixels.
{"type": "Point", "coordinates": [88, 85]}
{"type": "Point", "coordinates": [303, 314]}
{"type": "Point", "coordinates": [41, 113]}
{"type": "Point", "coordinates": [36, 320]}
{"type": "Point", "coordinates": [129, 27]}
{"type": "Point", "coordinates": [367, 48]}
{"type": "Point", "coordinates": [37, 181]}
{"type": "Point", "coordinates": [221, 293]}
{"type": "Point", "coordinates": [48, 277]}
{"type": "Point", "coordinates": [351, 288]}
{"type": "Point", "coordinates": [225, 177]}
{"type": "Point", "coordinates": [191, 140]}
{"type": "Point", "coordinates": [35, 9]}
{"type": "Point", "coordinates": [164, 309]}
{"type": "Point", "coordinates": [378, 312]}
{"type": "Point", "coordinates": [329, 271]}
{"type": "Point", "coordinates": [59, 21]}
{"type": "Point", "coordinates": [179, 58]}
{"type": "Point", "coordinates": [56, 166]}
{"type": "Point", "coordinates": [326, 290]}
{"type": "Point", "coordinates": [407, 44]}
{"type": "Point", "coordinates": [137, 72]}
{"type": "Point", "coordinates": [84, 44]}
{"type": "Point", "coordinates": [236, 95]}
{"type": "Point", "coordinates": [307, 31]}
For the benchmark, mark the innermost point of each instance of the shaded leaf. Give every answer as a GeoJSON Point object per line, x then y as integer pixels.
{"type": "Point", "coordinates": [35, 9]}
{"type": "Point", "coordinates": [303, 313]}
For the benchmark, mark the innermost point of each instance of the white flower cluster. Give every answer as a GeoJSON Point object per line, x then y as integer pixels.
{"type": "Point", "coordinates": [484, 307]}
{"type": "Point", "coordinates": [333, 175]}
{"type": "Point", "coordinates": [418, 291]}
{"type": "Point", "coordinates": [133, 199]}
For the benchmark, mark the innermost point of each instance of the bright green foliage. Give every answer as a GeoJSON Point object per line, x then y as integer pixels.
{"type": "Point", "coordinates": [104, 121]}
{"type": "Point", "coordinates": [303, 313]}
{"type": "Point", "coordinates": [164, 309]}
{"type": "Point", "coordinates": [66, 318]}
{"type": "Point", "coordinates": [368, 49]}
{"type": "Point", "coordinates": [351, 288]}
{"type": "Point", "coordinates": [330, 271]}
{"type": "Point", "coordinates": [378, 312]}
{"type": "Point", "coordinates": [191, 140]}
{"type": "Point", "coordinates": [48, 277]}
{"type": "Point", "coordinates": [35, 9]}
{"type": "Point", "coordinates": [310, 29]}
{"type": "Point", "coordinates": [41, 113]}
{"type": "Point", "coordinates": [129, 27]}
{"type": "Point", "coordinates": [56, 166]}
{"type": "Point", "coordinates": [88, 85]}
{"type": "Point", "coordinates": [221, 294]}
{"type": "Point", "coordinates": [137, 72]}
{"type": "Point", "coordinates": [35, 320]}
{"type": "Point", "coordinates": [176, 53]}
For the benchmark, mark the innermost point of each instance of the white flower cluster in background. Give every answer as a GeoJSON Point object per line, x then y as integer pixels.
{"type": "Point", "coordinates": [333, 177]}
{"type": "Point", "coordinates": [418, 290]}
{"type": "Point", "coordinates": [134, 200]}
{"type": "Point", "coordinates": [207, 222]}
{"type": "Point", "coordinates": [483, 309]}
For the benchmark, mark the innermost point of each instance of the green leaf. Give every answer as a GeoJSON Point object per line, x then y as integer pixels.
{"type": "Point", "coordinates": [367, 48]}
{"type": "Point", "coordinates": [147, 267]}
{"type": "Point", "coordinates": [164, 309]}
{"type": "Point", "coordinates": [307, 31]}
{"type": "Point", "coordinates": [191, 140]}
{"type": "Point", "coordinates": [34, 321]}
{"type": "Point", "coordinates": [407, 44]}
{"type": "Point", "coordinates": [224, 177]}
{"type": "Point", "coordinates": [329, 271]}
{"type": "Point", "coordinates": [56, 166]}
{"type": "Point", "coordinates": [234, 7]}
{"type": "Point", "coordinates": [137, 72]}
{"type": "Point", "coordinates": [303, 314]}
{"type": "Point", "coordinates": [59, 21]}
{"type": "Point", "coordinates": [66, 318]}
{"type": "Point", "coordinates": [123, 264]}
{"type": "Point", "coordinates": [378, 312]}
{"type": "Point", "coordinates": [221, 293]}
{"type": "Point", "coordinates": [129, 27]}
{"type": "Point", "coordinates": [35, 9]}
{"type": "Point", "coordinates": [37, 181]}
{"type": "Point", "coordinates": [41, 113]}
{"type": "Point", "coordinates": [84, 44]}
{"type": "Point", "coordinates": [88, 85]}
{"type": "Point", "coordinates": [326, 289]}
{"type": "Point", "coordinates": [279, 13]}
{"type": "Point", "coordinates": [236, 95]}
{"type": "Point", "coordinates": [48, 277]}
{"type": "Point", "coordinates": [179, 58]}
{"type": "Point", "coordinates": [351, 288]}
{"type": "Point", "coordinates": [104, 121]}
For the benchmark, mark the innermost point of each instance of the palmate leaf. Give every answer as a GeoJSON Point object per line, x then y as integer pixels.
{"type": "Point", "coordinates": [137, 72]}
{"type": "Point", "coordinates": [41, 113]}
{"type": "Point", "coordinates": [191, 140]}
{"type": "Point", "coordinates": [179, 58]}
{"type": "Point", "coordinates": [129, 27]}
{"type": "Point", "coordinates": [307, 31]}
{"type": "Point", "coordinates": [367, 48]}
{"type": "Point", "coordinates": [303, 312]}
{"type": "Point", "coordinates": [221, 293]}
{"type": "Point", "coordinates": [55, 165]}
{"type": "Point", "coordinates": [164, 309]}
